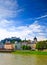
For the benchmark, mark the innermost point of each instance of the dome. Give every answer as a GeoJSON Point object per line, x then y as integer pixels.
{"type": "Point", "coordinates": [35, 38]}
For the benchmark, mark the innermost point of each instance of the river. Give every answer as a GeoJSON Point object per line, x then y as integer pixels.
{"type": "Point", "coordinates": [12, 59]}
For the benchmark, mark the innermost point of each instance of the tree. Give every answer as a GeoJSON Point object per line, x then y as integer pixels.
{"type": "Point", "coordinates": [41, 45]}
{"type": "Point", "coordinates": [25, 47]}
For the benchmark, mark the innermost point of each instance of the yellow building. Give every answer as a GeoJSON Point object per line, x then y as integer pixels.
{"type": "Point", "coordinates": [32, 44]}
{"type": "Point", "coordinates": [8, 46]}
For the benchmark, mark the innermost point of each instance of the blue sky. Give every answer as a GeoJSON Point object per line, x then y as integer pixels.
{"type": "Point", "coordinates": [23, 18]}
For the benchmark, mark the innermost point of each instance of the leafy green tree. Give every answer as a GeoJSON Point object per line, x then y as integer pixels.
{"type": "Point", "coordinates": [25, 47]}
{"type": "Point", "coordinates": [41, 45]}
{"type": "Point", "coordinates": [46, 45]}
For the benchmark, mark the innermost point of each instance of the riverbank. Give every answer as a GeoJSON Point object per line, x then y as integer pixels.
{"type": "Point", "coordinates": [30, 52]}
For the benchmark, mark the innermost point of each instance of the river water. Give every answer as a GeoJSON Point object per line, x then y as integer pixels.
{"type": "Point", "coordinates": [12, 59]}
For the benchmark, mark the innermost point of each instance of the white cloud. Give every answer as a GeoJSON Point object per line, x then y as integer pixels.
{"type": "Point", "coordinates": [41, 17]}
{"type": "Point", "coordinates": [5, 23]}
{"type": "Point", "coordinates": [37, 18]}
{"type": "Point", "coordinates": [7, 29]}
{"type": "Point", "coordinates": [9, 8]}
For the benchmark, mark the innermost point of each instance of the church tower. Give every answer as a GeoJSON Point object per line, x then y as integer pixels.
{"type": "Point", "coordinates": [35, 39]}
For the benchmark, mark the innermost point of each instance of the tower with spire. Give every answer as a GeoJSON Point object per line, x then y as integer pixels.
{"type": "Point", "coordinates": [35, 39]}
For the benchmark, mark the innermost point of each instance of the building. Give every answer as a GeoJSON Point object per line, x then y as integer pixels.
{"type": "Point", "coordinates": [18, 45]}
{"type": "Point", "coordinates": [33, 43]}
{"type": "Point", "coordinates": [35, 40]}
{"type": "Point", "coordinates": [8, 46]}
{"type": "Point", "coordinates": [1, 46]}
{"type": "Point", "coordinates": [24, 43]}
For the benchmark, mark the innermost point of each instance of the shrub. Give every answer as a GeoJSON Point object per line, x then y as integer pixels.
{"type": "Point", "coordinates": [25, 47]}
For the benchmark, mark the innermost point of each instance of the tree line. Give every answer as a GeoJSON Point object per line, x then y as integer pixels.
{"type": "Point", "coordinates": [41, 45]}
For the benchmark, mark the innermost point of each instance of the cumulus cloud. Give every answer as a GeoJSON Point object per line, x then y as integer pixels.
{"type": "Point", "coordinates": [7, 29]}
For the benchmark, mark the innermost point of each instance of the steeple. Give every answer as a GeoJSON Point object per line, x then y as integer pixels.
{"type": "Point", "coordinates": [35, 39]}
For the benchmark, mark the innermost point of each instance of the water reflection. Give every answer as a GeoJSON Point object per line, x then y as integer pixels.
{"type": "Point", "coordinates": [42, 60]}
{"type": "Point", "coordinates": [12, 59]}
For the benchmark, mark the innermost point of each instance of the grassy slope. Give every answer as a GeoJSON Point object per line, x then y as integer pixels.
{"type": "Point", "coordinates": [29, 52]}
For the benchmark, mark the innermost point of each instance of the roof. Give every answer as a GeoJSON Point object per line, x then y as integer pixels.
{"type": "Point", "coordinates": [35, 38]}
{"type": "Point", "coordinates": [8, 44]}
{"type": "Point", "coordinates": [32, 42]}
